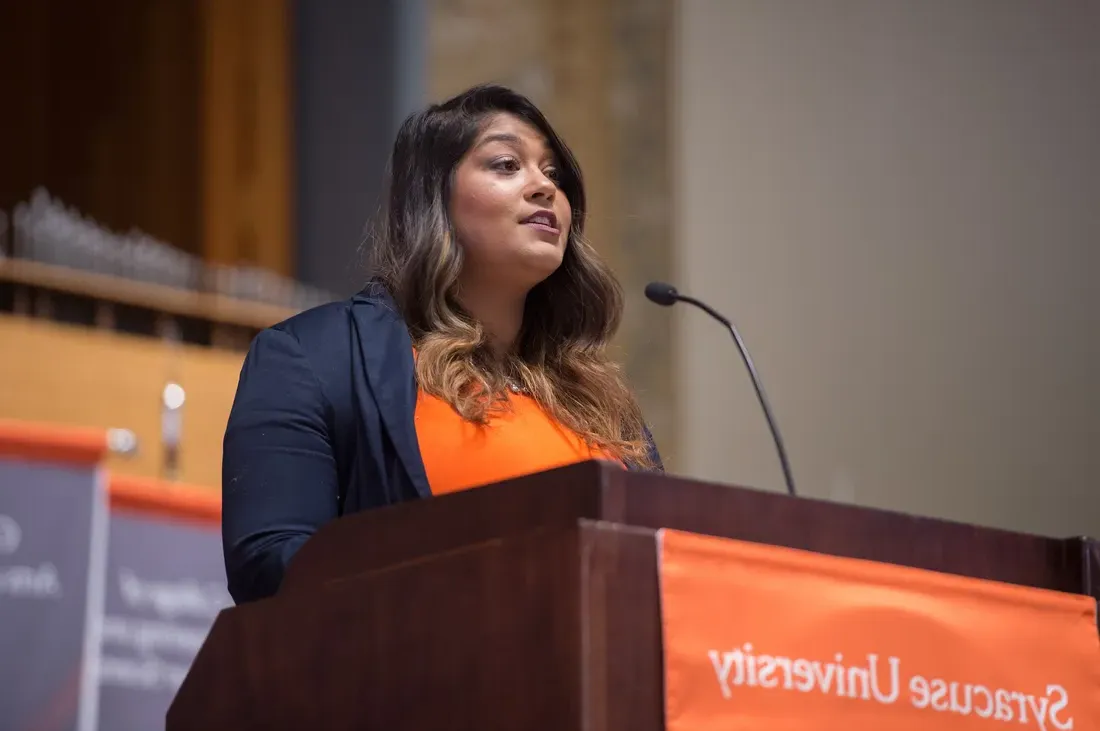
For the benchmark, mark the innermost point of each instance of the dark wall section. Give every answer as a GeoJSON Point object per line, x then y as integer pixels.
{"type": "Point", "coordinates": [348, 90]}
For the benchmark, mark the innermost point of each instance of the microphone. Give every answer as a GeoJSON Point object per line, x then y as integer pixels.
{"type": "Point", "coordinates": [666, 296]}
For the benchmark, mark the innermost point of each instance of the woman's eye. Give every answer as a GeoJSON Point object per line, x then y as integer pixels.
{"type": "Point", "coordinates": [553, 174]}
{"type": "Point", "coordinates": [507, 165]}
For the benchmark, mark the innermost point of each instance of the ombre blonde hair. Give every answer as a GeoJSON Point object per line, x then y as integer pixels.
{"type": "Point", "coordinates": [569, 319]}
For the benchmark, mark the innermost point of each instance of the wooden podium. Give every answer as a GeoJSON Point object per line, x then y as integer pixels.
{"type": "Point", "coordinates": [532, 604]}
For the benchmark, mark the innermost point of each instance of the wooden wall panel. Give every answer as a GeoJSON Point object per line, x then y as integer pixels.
{"type": "Point", "coordinates": [100, 106]}
{"type": "Point", "coordinates": [72, 375]}
{"type": "Point", "coordinates": [171, 116]}
{"type": "Point", "coordinates": [246, 128]}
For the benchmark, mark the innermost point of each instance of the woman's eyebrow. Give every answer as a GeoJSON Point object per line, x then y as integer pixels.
{"type": "Point", "coordinates": [500, 137]}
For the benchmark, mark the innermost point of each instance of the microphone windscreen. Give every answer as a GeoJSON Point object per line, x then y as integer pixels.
{"type": "Point", "coordinates": [661, 293]}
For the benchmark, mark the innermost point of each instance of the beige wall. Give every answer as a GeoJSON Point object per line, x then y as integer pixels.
{"type": "Point", "coordinates": [899, 203]}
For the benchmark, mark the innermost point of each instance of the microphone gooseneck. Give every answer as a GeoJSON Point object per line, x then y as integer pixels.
{"type": "Point", "coordinates": [666, 295]}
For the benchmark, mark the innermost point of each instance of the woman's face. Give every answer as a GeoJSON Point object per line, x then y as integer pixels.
{"type": "Point", "coordinates": [511, 218]}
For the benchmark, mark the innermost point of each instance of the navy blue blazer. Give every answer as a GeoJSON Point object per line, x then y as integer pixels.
{"type": "Point", "coordinates": [322, 425]}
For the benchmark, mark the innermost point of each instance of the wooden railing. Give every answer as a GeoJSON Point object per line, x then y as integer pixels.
{"type": "Point", "coordinates": [34, 283]}
{"type": "Point", "coordinates": [57, 263]}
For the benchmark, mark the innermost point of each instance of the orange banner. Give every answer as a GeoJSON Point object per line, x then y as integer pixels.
{"type": "Point", "coordinates": [759, 638]}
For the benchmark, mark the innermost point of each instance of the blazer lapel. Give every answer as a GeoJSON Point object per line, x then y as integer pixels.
{"type": "Point", "coordinates": [386, 352]}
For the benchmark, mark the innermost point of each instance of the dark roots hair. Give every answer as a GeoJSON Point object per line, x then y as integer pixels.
{"type": "Point", "coordinates": [569, 318]}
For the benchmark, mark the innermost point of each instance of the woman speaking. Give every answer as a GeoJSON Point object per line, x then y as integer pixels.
{"type": "Point", "coordinates": [475, 353]}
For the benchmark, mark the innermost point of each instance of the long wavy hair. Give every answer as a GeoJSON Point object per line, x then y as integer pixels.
{"type": "Point", "coordinates": [569, 318]}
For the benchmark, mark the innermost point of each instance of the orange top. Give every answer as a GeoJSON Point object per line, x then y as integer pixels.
{"type": "Point", "coordinates": [459, 455]}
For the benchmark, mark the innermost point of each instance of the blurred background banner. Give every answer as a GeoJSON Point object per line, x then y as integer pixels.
{"type": "Point", "coordinates": [52, 545]}
{"type": "Point", "coordinates": [165, 586]}
{"type": "Point", "coordinates": [108, 586]}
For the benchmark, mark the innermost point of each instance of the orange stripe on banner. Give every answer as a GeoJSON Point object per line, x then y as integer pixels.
{"type": "Point", "coordinates": [763, 637]}
{"type": "Point", "coordinates": [170, 500]}
{"type": "Point", "coordinates": [52, 442]}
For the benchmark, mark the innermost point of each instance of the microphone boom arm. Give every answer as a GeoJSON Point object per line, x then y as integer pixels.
{"type": "Point", "coordinates": [784, 463]}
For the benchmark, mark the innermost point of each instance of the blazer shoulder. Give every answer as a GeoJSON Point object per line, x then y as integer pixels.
{"type": "Point", "coordinates": [320, 336]}
{"type": "Point", "coordinates": [318, 327]}
{"type": "Point", "coordinates": [325, 327]}
{"type": "Point", "coordinates": [324, 335]}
